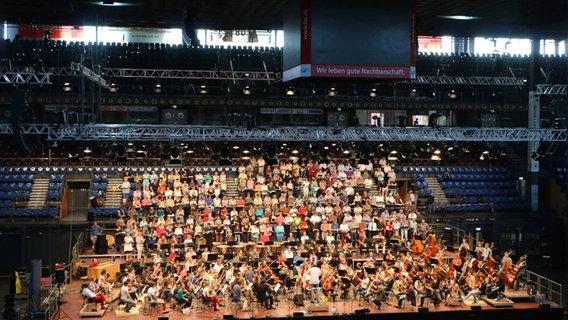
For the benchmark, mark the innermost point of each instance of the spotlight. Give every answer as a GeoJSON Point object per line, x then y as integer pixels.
{"type": "Point", "coordinates": [452, 94]}
{"type": "Point", "coordinates": [140, 153]}
{"type": "Point", "coordinates": [332, 91]}
{"type": "Point", "coordinates": [290, 91]}
{"type": "Point", "coordinates": [203, 89]}
{"type": "Point", "coordinates": [436, 155]}
{"type": "Point", "coordinates": [247, 90]}
{"type": "Point", "coordinates": [393, 156]}
{"type": "Point", "coordinates": [373, 92]}
{"type": "Point", "coordinates": [113, 87]}
{"type": "Point", "coordinates": [87, 153]}
{"type": "Point", "coordinates": [67, 87]}
{"type": "Point", "coordinates": [158, 88]}
{"type": "Point", "coordinates": [413, 92]}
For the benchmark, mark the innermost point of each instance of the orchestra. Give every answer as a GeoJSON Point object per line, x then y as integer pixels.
{"type": "Point", "coordinates": [327, 243]}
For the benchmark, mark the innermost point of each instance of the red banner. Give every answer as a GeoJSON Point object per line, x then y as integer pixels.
{"type": "Point", "coordinates": [306, 32]}
{"type": "Point", "coordinates": [430, 43]}
{"type": "Point", "coordinates": [56, 32]}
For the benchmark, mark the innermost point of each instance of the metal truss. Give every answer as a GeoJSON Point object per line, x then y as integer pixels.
{"type": "Point", "coordinates": [24, 75]}
{"type": "Point", "coordinates": [89, 74]}
{"type": "Point", "coordinates": [214, 133]}
{"type": "Point", "coordinates": [474, 81]}
{"type": "Point", "coordinates": [176, 74]}
{"type": "Point", "coordinates": [191, 74]}
{"type": "Point", "coordinates": [552, 89]}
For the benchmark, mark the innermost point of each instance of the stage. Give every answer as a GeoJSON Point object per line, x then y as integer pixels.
{"type": "Point", "coordinates": [347, 309]}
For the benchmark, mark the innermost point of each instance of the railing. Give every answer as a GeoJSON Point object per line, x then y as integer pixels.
{"type": "Point", "coordinates": [551, 290]}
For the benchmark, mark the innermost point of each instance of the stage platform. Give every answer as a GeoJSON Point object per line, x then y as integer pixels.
{"type": "Point", "coordinates": [346, 309]}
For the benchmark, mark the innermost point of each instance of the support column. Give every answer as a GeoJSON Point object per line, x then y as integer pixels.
{"type": "Point", "coordinates": [533, 165]}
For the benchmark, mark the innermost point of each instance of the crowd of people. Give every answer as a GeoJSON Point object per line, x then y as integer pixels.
{"type": "Point", "coordinates": [331, 229]}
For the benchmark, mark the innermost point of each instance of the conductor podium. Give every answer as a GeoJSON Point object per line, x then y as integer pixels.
{"type": "Point", "coordinates": [316, 306]}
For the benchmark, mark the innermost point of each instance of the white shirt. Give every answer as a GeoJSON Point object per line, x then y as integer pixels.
{"type": "Point", "coordinates": [314, 274]}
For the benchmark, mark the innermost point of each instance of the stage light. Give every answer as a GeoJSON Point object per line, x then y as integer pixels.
{"type": "Point", "coordinates": [373, 92]}
{"type": "Point", "coordinates": [413, 92]}
{"type": "Point", "coordinates": [141, 153]}
{"type": "Point", "coordinates": [436, 155]}
{"type": "Point", "coordinates": [290, 91]}
{"type": "Point", "coordinates": [158, 88]}
{"type": "Point", "coordinates": [203, 89]}
{"type": "Point", "coordinates": [393, 155]}
{"type": "Point", "coordinates": [247, 90]}
{"type": "Point", "coordinates": [87, 153]}
{"type": "Point", "coordinates": [332, 91]}
{"type": "Point", "coordinates": [67, 87]}
{"type": "Point", "coordinates": [113, 87]}
{"type": "Point", "coordinates": [452, 94]}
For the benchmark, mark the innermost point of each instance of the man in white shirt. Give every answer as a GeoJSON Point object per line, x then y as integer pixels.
{"type": "Point", "coordinates": [125, 296]}
{"type": "Point", "coordinates": [314, 273]}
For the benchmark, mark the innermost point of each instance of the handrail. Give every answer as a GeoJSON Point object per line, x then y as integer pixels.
{"type": "Point", "coordinates": [551, 290]}
{"type": "Point", "coordinates": [460, 233]}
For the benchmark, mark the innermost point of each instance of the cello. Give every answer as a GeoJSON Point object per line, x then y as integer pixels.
{"type": "Point", "coordinates": [515, 272]}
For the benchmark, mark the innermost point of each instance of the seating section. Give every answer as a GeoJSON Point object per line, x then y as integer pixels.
{"type": "Point", "coordinates": [422, 189]}
{"type": "Point", "coordinates": [16, 187]}
{"type": "Point", "coordinates": [480, 188]}
{"type": "Point", "coordinates": [562, 178]}
{"type": "Point", "coordinates": [466, 188]}
{"type": "Point", "coordinates": [469, 188]}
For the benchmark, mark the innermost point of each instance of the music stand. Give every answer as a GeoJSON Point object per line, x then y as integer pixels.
{"type": "Point", "coordinates": [433, 261]}
{"type": "Point", "coordinates": [342, 273]}
{"type": "Point", "coordinates": [370, 270]}
{"type": "Point", "coordinates": [212, 257]}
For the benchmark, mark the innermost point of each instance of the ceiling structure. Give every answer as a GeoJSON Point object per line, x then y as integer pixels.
{"type": "Point", "coordinates": [544, 19]}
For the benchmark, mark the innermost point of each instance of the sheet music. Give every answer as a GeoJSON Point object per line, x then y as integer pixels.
{"type": "Point", "coordinates": [224, 289]}
{"type": "Point", "coordinates": [277, 287]}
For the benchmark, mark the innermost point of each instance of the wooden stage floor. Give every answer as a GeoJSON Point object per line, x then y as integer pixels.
{"type": "Point", "coordinates": [72, 304]}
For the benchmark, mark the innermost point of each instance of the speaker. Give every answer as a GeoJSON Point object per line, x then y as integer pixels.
{"type": "Point", "coordinates": [362, 310]}
{"type": "Point", "coordinates": [163, 318]}
{"type": "Point", "coordinates": [101, 246]}
{"type": "Point", "coordinates": [476, 308]}
{"type": "Point", "coordinates": [298, 314]}
{"type": "Point", "coordinates": [228, 317]}
{"type": "Point", "coordinates": [299, 300]}
{"type": "Point", "coordinates": [59, 276]}
{"type": "Point", "coordinates": [422, 309]}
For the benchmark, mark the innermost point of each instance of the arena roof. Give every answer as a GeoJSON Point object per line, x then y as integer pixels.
{"type": "Point", "coordinates": [544, 19]}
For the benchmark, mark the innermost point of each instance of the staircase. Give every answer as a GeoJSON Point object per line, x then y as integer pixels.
{"type": "Point", "coordinates": [437, 191]}
{"type": "Point", "coordinates": [113, 197]}
{"type": "Point", "coordinates": [232, 186]}
{"type": "Point", "coordinates": [38, 193]}
{"type": "Point", "coordinates": [518, 163]}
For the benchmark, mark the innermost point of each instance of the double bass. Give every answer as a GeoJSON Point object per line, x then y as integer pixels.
{"type": "Point", "coordinates": [432, 243]}
{"type": "Point", "coordinates": [417, 246]}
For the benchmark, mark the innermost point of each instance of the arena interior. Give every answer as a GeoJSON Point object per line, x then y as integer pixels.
{"type": "Point", "coordinates": [284, 158]}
